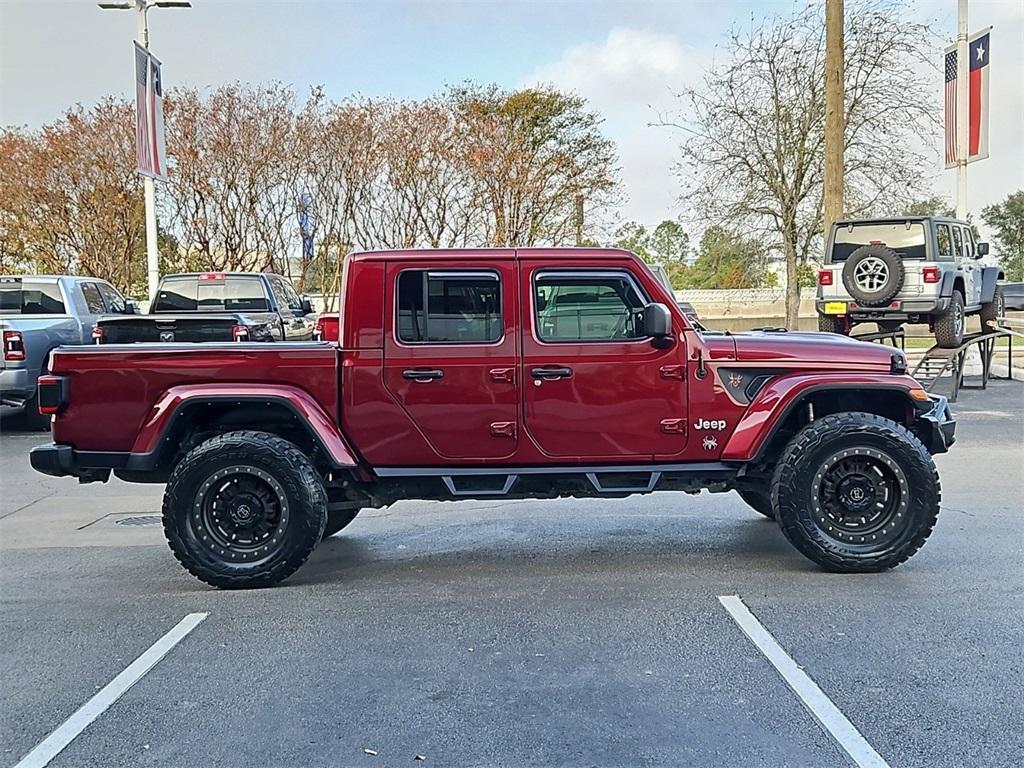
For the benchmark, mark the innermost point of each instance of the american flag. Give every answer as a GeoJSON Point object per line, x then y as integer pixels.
{"type": "Point", "coordinates": [149, 115]}
{"type": "Point", "coordinates": [977, 99]}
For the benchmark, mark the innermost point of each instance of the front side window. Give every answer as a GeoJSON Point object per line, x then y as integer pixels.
{"type": "Point", "coordinates": [586, 307]}
{"type": "Point", "coordinates": [440, 307]}
{"type": "Point", "coordinates": [944, 241]}
{"type": "Point", "coordinates": [958, 241]}
{"type": "Point", "coordinates": [285, 294]}
{"type": "Point", "coordinates": [113, 299]}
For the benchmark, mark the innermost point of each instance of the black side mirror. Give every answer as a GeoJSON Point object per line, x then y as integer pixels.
{"type": "Point", "coordinates": [307, 305]}
{"type": "Point", "coordinates": [982, 249]}
{"type": "Point", "coordinates": [657, 323]}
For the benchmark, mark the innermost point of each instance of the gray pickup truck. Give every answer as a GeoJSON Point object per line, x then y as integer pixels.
{"type": "Point", "coordinates": [39, 313]}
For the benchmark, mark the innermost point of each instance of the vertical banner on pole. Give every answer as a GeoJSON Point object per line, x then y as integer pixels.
{"type": "Point", "coordinates": [978, 99]}
{"type": "Point", "coordinates": [149, 116]}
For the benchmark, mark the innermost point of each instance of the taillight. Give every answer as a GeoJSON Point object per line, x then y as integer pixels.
{"type": "Point", "coordinates": [53, 394]}
{"type": "Point", "coordinates": [14, 346]}
{"type": "Point", "coordinates": [240, 333]}
{"type": "Point", "coordinates": [318, 330]}
{"type": "Point", "coordinates": [825, 277]}
{"type": "Point", "coordinates": [931, 274]}
{"type": "Point", "coordinates": [99, 334]}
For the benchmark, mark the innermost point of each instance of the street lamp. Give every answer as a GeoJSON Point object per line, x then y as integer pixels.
{"type": "Point", "coordinates": [141, 8]}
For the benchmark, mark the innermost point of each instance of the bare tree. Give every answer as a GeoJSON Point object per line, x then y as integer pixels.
{"type": "Point", "coordinates": [752, 156]}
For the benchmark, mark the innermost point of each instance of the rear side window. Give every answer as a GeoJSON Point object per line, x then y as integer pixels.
{"type": "Point", "coordinates": [93, 300]}
{"type": "Point", "coordinates": [30, 297]}
{"type": "Point", "coordinates": [904, 237]}
{"type": "Point", "coordinates": [944, 240]}
{"type": "Point", "coordinates": [213, 294]}
{"type": "Point", "coordinates": [448, 307]}
{"type": "Point", "coordinates": [586, 307]}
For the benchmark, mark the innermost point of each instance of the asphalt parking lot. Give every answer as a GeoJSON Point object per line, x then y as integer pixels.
{"type": "Point", "coordinates": [520, 633]}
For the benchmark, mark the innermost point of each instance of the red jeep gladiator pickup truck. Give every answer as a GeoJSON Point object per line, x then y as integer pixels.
{"type": "Point", "coordinates": [514, 373]}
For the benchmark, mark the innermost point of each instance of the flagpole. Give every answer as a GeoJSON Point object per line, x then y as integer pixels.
{"type": "Point", "coordinates": [962, 86]}
{"type": "Point", "coordinates": [148, 184]}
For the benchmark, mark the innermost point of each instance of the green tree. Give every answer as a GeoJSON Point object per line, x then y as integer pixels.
{"type": "Point", "coordinates": [667, 246]}
{"type": "Point", "coordinates": [634, 237]}
{"type": "Point", "coordinates": [727, 260]}
{"type": "Point", "coordinates": [1007, 219]}
{"type": "Point", "coordinates": [936, 205]}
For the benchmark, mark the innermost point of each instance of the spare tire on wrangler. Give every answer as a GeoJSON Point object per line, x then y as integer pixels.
{"type": "Point", "coordinates": [873, 275]}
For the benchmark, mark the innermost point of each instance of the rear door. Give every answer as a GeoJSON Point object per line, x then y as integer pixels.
{"type": "Point", "coordinates": [450, 354]}
{"type": "Point", "coordinates": [594, 387]}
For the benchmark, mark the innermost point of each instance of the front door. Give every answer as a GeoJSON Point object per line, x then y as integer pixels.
{"type": "Point", "coordinates": [594, 387]}
{"type": "Point", "coordinates": [450, 357]}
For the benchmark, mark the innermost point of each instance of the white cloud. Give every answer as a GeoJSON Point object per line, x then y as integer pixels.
{"type": "Point", "coordinates": [630, 78]}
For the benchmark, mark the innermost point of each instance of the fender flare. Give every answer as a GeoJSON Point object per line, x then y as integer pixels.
{"type": "Point", "coordinates": [989, 276]}
{"type": "Point", "coordinates": [174, 401]}
{"type": "Point", "coordinates": [781, 396]}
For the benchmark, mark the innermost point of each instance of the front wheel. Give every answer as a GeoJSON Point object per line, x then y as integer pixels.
{"type": "Point", "coordinates": [949, 326]}
{"type": "Point", "coordinates": [244, 509]}
{"type": "Point", "coordinates": [856, 493]}
{"type": "Point", "coordinates": [993, 310]}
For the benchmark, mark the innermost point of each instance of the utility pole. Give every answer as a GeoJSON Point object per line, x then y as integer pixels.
{"type": "Point", "coordinates": [578, 220]}
{"type": "Point", "coordinates": [963, 148]}
{"type": "Point", "coordinates": [835, 117]}
{"type": "Point", "coordinates": [141, 8]}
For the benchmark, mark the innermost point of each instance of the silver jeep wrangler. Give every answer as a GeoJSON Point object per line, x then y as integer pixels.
{"type": "Point", "coordinates": [916, 269]}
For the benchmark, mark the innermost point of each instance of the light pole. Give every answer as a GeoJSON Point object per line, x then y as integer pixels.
{"type": "Point", "coordinates": [963, 71]}
{"type": "Point", "coordinates": [141, 8]}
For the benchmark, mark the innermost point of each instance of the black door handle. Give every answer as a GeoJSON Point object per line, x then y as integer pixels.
{"type": "Point", "coordinates": [551, 373]}
{"type": "Point", "coordinates": [422, 374]}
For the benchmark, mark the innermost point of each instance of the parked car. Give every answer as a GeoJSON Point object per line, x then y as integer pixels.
{"type": "Point", "coordinates": [326, 327]}
{"type": "Point", "coordinates": [216, 306]}
{"type": "Point", "coordinates": [916, 269]}
{"type": "Point", "coordinates": [533, 373]}
{"type": "Point", "coordinates": [39, 313]}
{"type": "Point", "coordinates": [1013, 295]}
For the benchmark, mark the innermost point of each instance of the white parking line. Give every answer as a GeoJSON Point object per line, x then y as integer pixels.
{"type": "Point", "coordinates": [51, 746]}
{"type": "Point", "coordinates": [819, 705]}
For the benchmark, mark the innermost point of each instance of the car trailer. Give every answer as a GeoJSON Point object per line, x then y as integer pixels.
{"type": "Point", "coordinates": [937, 361]}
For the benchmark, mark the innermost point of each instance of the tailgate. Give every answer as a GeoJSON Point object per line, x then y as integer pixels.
{"type": "Point", "coordinates": [167, 328]}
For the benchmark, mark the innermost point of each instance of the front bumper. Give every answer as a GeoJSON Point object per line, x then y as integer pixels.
{"type": "Point", "coordinates": [936, 426]}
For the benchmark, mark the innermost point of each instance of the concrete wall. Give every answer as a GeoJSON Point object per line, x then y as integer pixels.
{"type": "Point", "coordinates": [746, 308]}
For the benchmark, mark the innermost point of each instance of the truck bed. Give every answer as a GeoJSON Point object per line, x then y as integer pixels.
{"type": "Point", "coordinates": [113, 389]}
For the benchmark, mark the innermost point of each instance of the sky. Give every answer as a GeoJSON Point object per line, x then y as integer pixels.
{"type": "Point", "coordinates": [627, 58]}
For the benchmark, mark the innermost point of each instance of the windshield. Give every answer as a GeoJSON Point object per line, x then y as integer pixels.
{"type": "Point", "coordinates": [904, 237]}
{"type": "Point", "coordinates": [29, 297]}
{"type": "Point", "coordinates": [192, 294]}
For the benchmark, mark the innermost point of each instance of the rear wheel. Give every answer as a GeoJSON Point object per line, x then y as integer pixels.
{"type": "Point", "coordinates": [856, 493]}
{"type": "Point", "coordinates": [994, 309]}
{"type": "Point", "coordinates": [950, 325]}
{"type": "Point", "coordinates": [244, 509]}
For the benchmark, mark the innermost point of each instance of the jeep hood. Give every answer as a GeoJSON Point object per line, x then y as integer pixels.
{"type": "Point", "coordinates": [778, 347]}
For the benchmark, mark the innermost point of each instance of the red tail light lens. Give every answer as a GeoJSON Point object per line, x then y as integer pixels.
{"type": "Point", "coordinates": [318, 330]}
{"type": "Point", "coordinates": [825, 277]}
{"type": "Point", "coordinates": [53, 394]}
{"type": "Point", "coordinates": [931, 274]}
{"type": "Point", "coordinates": [14, 346]}
{"type": "Point", "coordinates": [240, 333]}
{"type": "Point", "coordinates": [98, 335]}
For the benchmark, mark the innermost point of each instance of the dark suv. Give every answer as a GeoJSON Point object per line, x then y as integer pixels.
{"type": "Point", "coordinates": [915, 269]}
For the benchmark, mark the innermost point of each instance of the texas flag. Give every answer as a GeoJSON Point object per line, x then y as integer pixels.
{"type": "Point", "coordinates": [977, 99]}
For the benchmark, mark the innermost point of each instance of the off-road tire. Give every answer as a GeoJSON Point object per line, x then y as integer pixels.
{"type": "Point", "coordinates": [832, 324]}
{"type": "Point", "coordinates": [992, 310]}
{"type": "Point", "coordinates": [758, 500]}
{"type": "Point", "coordinates": [338, 519]}
{"type": "Point", "coordinates": [947, 334]}
{"type": "Point", "coordinates": [295, 488]}
{"type": "Point", "coordinates": [889, 288]}
{"type": "Point", "coordinates": [815, 452]}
